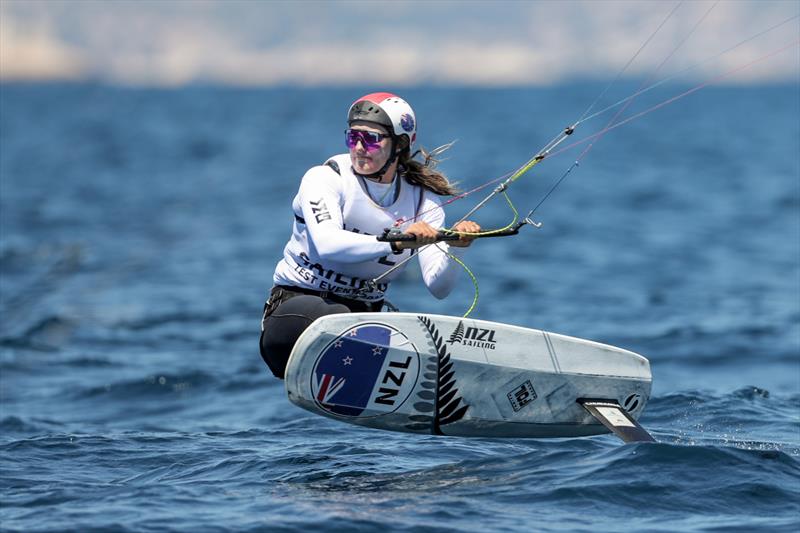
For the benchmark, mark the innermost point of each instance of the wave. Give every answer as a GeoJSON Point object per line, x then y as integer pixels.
{"type": "Point", "coordinates": [155, 385]}
{"type": "Point", "coordinates": [155, 320]}
{"type": "Point", "coordinates": [47, 334]}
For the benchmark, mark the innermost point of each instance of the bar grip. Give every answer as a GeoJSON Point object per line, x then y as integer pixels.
{"type": "Point", "coordinates": [393, 235]}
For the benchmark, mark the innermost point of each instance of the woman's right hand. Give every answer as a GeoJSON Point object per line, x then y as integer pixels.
{"type": "Point", "coordinates": [424, 232]}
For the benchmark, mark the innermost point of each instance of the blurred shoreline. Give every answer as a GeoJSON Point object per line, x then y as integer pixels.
{"type": "Point", "coordinates": [404, 43]}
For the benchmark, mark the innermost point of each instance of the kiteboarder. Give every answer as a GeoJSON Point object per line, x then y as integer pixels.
{"type": "Point", "coordinates": [333, 256]}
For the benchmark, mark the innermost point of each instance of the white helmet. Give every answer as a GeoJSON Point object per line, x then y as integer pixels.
{"type": "Point", "coordinates": [388, 110]}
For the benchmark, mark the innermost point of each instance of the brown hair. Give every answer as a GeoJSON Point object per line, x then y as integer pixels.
{"type": "Point", "coordinates": [423, 173]}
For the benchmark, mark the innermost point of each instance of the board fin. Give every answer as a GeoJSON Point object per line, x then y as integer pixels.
{"type": "Point", "coordinates": [615, 418]}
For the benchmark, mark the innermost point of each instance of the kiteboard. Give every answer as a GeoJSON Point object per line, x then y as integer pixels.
{"type": "Point", "coordinates": [446, 375]}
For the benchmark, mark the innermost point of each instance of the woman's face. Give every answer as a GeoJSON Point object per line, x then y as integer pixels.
{"type": "Point", "coordinates": [370, 159]}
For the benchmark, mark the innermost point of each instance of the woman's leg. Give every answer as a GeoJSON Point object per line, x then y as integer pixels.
{"type": "Point", "coordinates": [285, 324]}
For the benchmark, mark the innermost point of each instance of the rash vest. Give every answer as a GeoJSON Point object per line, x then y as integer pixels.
{"type": "Point", "coordinates": [333, 246]}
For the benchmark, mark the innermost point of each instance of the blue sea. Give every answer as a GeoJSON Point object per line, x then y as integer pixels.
{"type": "Point", "coordinates": [140, 229]}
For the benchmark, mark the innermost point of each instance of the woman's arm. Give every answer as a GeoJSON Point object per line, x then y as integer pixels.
{"type": "Point", "coordinates": [319, 199]}
{"type": "Point", "coordinates": [439, 272]}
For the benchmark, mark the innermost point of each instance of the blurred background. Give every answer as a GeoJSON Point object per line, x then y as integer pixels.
{"type": "Point", "coordinates": [149, 154]}
{"type": "Point", "coordinates": [401, 44]}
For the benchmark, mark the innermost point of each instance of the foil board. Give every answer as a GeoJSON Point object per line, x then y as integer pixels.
{"type": "Point", "coordinates": [446, 375]}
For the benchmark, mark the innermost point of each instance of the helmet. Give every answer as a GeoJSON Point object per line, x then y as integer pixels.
{"type": "Point", "coordinates": [388, 110]}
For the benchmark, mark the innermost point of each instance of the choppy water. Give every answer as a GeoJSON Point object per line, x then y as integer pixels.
{"type": "Point", "coordinates": [139, 233]}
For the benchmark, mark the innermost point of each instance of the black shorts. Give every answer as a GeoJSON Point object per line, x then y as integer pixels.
{"type": "Point", "coordinates": [289, 311]}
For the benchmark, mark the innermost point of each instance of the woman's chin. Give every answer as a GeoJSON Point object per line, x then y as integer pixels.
{"type": "Point", "coordinates": [365, 168]}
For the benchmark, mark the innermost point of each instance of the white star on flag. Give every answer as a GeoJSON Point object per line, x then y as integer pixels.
{"type": "Point", "coordinates": [354, 332]}
{"type": "Point", "coordinates": [347, 360]}
{"type": "Point", "coordinates": [376, 350]}
{"type": "Point", "coordinates": [337, 344]}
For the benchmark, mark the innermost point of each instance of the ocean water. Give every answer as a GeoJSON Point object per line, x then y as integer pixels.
{"type": "Point", "coordinates": [140, 229]}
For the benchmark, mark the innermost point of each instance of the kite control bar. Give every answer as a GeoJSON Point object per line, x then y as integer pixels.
{"type": "Point", "coordinates": [395, 235]}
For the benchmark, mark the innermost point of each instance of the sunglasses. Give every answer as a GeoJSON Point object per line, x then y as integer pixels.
{"type": "Point", "coordinates": [370, 140]}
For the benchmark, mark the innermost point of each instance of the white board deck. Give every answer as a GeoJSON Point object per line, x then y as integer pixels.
{"type": "Point", "coordinates": [451, 376]}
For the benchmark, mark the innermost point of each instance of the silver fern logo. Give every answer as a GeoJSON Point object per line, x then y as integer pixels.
{"type": "Point", "coordinates": [458, 334]}
{"type": "Point", "coordinates": [444, 402]}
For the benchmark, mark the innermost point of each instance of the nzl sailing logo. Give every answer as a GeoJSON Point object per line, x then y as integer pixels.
{"type": "Point", "coordinates": [478, 337]}
{"type": "Point", "coordinates": [370, 369]}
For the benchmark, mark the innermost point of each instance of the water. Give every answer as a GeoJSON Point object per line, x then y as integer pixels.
{"type": "Point", "coordinates": [140, 229]}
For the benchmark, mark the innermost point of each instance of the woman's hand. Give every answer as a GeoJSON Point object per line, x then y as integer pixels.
{"type": "Point", "coordinates": [466, 226]}
{"type": "Point", "coordinates": [424, 232]}
{"type": "Point", "coordinates": [427, 234]}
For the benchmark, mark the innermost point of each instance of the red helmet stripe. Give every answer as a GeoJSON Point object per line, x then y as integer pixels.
{"type": "Point", "coordinates": [376, 98]}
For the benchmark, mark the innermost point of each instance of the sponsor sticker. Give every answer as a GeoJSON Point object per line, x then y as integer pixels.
{"type": "Point", "coordinates": [614, 416]}
{"type": "Point", "coordinates": [522, 396]}
{"type": "Point", "coordinates": [368, 370]}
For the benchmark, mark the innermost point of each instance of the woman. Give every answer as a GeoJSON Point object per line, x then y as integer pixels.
{"type": "Point", "coordinates": [333, 253]}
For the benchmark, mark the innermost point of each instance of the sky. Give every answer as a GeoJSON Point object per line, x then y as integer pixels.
{"type": "Point", "coordinates": [400, 42]}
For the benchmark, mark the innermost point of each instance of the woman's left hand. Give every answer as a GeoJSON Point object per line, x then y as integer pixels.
{"type": "Point", "coordinates": [465, 226]}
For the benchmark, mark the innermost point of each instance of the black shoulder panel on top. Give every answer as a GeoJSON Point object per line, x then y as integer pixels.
{"type": "Point", "coordinates": [334, 165]}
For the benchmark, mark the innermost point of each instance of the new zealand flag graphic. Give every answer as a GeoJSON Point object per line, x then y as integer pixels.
{"type": "Point", "coordinates": [359, 369]}
{"type": "Point", "coordinates": [407, 122]}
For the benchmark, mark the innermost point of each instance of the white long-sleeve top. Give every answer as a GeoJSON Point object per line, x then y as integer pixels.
{"type": "Point", "coordinates": [334, 246]}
